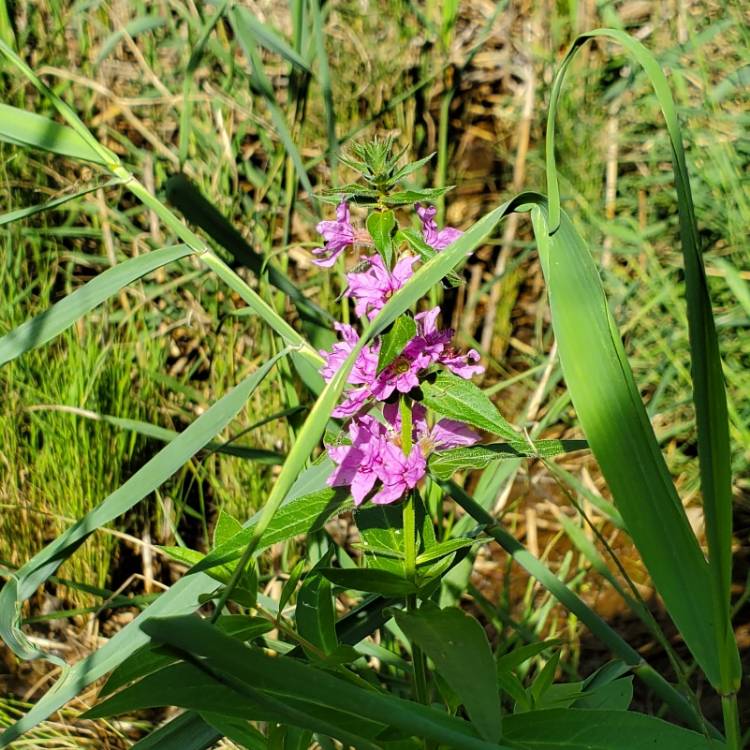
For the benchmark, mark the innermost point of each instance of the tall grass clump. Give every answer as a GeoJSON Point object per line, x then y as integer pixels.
{"type": "Point", "coordinates": [364, 644]}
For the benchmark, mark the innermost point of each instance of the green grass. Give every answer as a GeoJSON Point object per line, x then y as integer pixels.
{"type": "Point", "coordinates": [169, 347]}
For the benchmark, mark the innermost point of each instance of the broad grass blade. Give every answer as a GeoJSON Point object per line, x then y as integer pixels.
{"type": "Point", "coordinates": [63, 314]}
{"type": "Point", "coordinates": [28, 129]}
{"type": "Point", "coordinates": [187, 731]}
{"type": "Point", "coordinates": [101, 154]}
{"type": "Point", "coordinates": [616, 425]}
{"type": "Point", "coordinates": [614, 730]}
{"type": "Point", "coordinates": [709, 396]}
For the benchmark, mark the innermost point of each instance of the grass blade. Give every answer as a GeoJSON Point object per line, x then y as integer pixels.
{"type": "Point", "coordinates": [23, 213]}
{"type": "Point", "coordinates": [29, 129]}
{"type": "Point", "coordinates": [616, 425]}
{"type": "Point", "coordinates": [268, 38]}
{"type": "Point", "coordinates": [324, 76]}
{"type": "Point", "coordinates": [261, 85]}
{"type": "Point", "coordinates": [63, 314]}
{"type": "Point", "coordinates": [708, 393]}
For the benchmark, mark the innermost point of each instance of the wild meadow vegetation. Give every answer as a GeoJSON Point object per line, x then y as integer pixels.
{"type": "Point", "coordinates": [375, 374]}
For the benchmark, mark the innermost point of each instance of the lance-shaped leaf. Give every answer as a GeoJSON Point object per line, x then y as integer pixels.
{"type": "Point", "coordinates": [444, 464]}
{"type": "Point", "coordinates": [458, 646]}
{"type": "Point", "coordinates": [456, 398]}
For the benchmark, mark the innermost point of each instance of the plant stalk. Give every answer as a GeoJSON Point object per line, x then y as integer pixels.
{"type": "Point", "coordinates": [731, 715]}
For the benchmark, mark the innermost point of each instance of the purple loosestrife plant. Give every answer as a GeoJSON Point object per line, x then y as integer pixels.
{"type": "Point", "coordinates": [373, 458]}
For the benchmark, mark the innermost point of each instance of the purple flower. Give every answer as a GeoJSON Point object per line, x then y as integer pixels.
{"type": "Point", "coordinates": [444, 434]}
{"type": "Point", "coordinates": [359, 464]}
{"type": "Point", "coordinates": [372, 288]}
{"type": "Point", "coordinates": [438, 239]}
{"type": "Point", "coordinates": [399, 473]}
{"type": "Point", "coordinates": [338, 235]}
{"type": "Point", "coordinates": [436, 345]}
{"type": "Point", "coordinates": [362, 373]}
{"type": "Point", "coordinates": [400, 375]}
{"type": "Point", "coordinates": [375, 454]}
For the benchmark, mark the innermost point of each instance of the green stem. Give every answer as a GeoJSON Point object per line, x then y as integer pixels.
{"type": "Point", "coordinates": [731, 721]}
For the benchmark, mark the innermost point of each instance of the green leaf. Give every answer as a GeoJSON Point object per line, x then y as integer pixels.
{"type": "Point", "coordinates": [444, 464]}
{"type": "Point", "coordinates": [28, 129]}
{"type": "Point", "coordinates": [315, 614]}
{"type": "Point", "coordinates": [513, 659]}
{"type": "Point", "coordinates": [261, 676]}
{"type": "Point", "coordinates": [300, 515]}
{"type": "Point", "coordinates": [291, 584]}
{"type": "Point", "coordinates": [415, 240]}
{"type": "Point", "coordinates": [381, 531]}
{"type": "Point", "coordinates": [63, 314]}
{"type": "Point", "coordinates": [573, 729]}
{"type": "Point", "coordinates": [721, 663]}
{"type": "Point", "coordinates": [442, 549]}
{"type": "Point", "coordinates": [371, 580]}
{"type": "Point", "coordinates": [393, 343]}
{"type": "Point", "coordinates": [412, 167]}
{"type": "Point", "coordinates": [456, 398]}
{"type": "Point", "coordinates": [614, 696]}
{"type": "Point", "coordinates": [380, 225]}
{"type": "Point", "coordinates": [226, 527]}
{"type": "Point", "coordinates": [458, 646]}
{"type": "Point", "coordinates": [405, 197]}
{"type": "Point", "coordinates": [270, 39]}
{"type": "Point", "coordinates": [544, 679]}
{"type": "Point", "coordinates": [156, 471]}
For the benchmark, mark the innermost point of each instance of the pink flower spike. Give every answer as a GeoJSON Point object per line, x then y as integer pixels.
{"type": "Point", "coordinates": [437, 239]}
{"type": "Point", "coordinates": [362, 374]}
{"type": "Point", "coordinates": [399, 473]}
{"type": "Point", "coordinates": [359, 464]}
{"type": "Point", "coordinates": [372, 288]}
{"type": "Point", "coordinates": [460, 364]}
{"type": "Point", "coordinates": [338, 235]}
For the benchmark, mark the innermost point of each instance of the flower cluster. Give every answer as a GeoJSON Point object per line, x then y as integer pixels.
{"type": "Point", "coordinates": [376, 453]}
{"type": "Point", "coordinates": [371, 459]}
